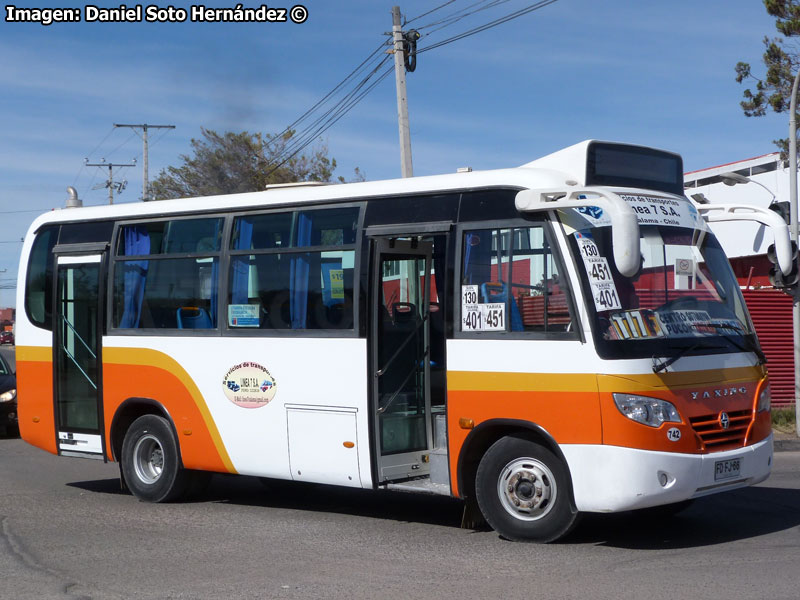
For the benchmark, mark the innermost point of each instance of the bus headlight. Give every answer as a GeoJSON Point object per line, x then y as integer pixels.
{"type": "Point", "coordinates": [647, 411]}
{"type": "Point", "coordinates": [764, 399]}
{"type": "Point", "coordinates": [8, 396]}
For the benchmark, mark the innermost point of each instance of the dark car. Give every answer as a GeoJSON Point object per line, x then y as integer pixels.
{"type": "Point", "coordinates": [8, 399]}
{"type": "Point", "coordinates": [6, 337]}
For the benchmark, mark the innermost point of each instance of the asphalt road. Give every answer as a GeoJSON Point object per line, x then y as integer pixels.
{"type": "Point", "coordinates": [67, 531]}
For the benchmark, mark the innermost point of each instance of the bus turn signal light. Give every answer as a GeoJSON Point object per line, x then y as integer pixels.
{"type": "Point", "coordinates": [466, 423]}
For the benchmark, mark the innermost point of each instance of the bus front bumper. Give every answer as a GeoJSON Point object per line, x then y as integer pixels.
{"type": "Point", "coordinates": [613, 478]}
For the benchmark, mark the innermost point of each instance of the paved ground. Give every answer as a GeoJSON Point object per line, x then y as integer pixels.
{"type": "Point", "coordinates": [66, 531]}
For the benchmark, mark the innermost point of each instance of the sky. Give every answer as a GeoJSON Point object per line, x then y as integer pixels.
{"type": "Point", "coordinates": [647, 72]}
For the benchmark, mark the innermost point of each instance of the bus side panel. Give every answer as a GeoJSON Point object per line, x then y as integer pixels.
{"type": "Point", "coordinates": [35, 393]}
{"type": "Point", "coordinates": [314, 427]}
{"type": "Point", "coordinates": [145, 373]}
{"type": "Point", "coordinates": [565, 404]}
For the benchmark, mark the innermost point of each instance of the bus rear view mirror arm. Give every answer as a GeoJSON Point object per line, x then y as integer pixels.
{"type": "Point", "coordinates": [625, 226]}
{"type": "Point", "coordinates": [714, 213]}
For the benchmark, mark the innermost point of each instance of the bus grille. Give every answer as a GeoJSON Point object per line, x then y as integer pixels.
{"type": "Point", "coordinates": [714, 437]}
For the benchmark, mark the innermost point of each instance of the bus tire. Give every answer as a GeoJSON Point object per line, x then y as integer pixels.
{"type": "Point", "coordinates": [524, 491]}
{"type": "Point", "coordinates": [150, 461]}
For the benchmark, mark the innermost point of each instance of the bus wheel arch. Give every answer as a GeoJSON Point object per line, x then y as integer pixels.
{"type": "Point", "coordinates": [516, 449]}
{"type": "Point", "coordinates": [130, 410]}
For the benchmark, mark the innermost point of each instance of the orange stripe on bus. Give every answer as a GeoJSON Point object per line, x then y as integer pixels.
{"type": "Point", "coordinates": [146, 373]}
{"type": "Point", "coordinates": [35, 396]}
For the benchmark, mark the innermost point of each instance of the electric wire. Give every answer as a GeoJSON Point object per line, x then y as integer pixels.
{"type": "Point", "coordinates": [336, 88]}
{"type": "Point", "coordinates": [301, 138]}
{"type": "Point", "coordinates": [341, 113]}
{"type": "Point", "coordinates": [461, 14]}
{"type": "Point", "coordinates": [433, 10]}
{"type": "Point", "coordinates": [318, 126]}
{"type": "Point", "coordinates": [490, 25]}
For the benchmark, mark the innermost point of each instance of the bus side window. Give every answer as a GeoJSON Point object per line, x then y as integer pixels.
{"type": "Point", "coordinates": [510, 282]}
{"type": "Point", "coordinates": [293, 270]}
{"type": "Point", "coordinates": [38, 295]}
{"type": "Point", "coordinates": [158, 288]}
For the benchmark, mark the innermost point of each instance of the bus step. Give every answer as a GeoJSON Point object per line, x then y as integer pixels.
{"type": "Point", "coordinates": [423, 485]}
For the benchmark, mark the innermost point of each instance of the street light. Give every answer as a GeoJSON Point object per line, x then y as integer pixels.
{"type": "Point", "coordinates": [793, 230]}
{"type": "Point", "coordinates": [733, 178]}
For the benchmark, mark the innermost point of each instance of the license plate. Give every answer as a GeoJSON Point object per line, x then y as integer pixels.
{"type": "Point", "coordinates": [727, 469]}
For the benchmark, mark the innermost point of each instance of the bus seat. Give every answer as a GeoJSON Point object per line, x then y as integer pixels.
{"type": "Point", "coordinates": [193, 317]}
{"type": "Point", "coordinates": [495, 291]}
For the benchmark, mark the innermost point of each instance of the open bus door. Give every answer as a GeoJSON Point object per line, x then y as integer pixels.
{"type": "Point", "coordinates": [77, 331]}
{"type": "Point", "coordinates": [400, 361]}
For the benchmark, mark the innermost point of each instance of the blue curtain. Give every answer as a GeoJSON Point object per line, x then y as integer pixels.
{"type": "Point", "coordinates": [241, 266]}
{"type": "Point", "coordinates": [137, 242]}
{"type": "Point", "coordinates": [478, 257]}
{"type": "Point", "coordinates": [298, 275]}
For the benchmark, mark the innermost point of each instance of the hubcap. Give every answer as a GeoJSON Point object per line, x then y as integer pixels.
{"type": "Point", "coordinates": [148, 459]}
{"type": "Point", "coordinates": [527, 489]}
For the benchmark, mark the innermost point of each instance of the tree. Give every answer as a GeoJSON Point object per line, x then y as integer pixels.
{"type": "Point", "coordinates": [231, 162]}
{"type": "Point", "coordinates": [782, 61]}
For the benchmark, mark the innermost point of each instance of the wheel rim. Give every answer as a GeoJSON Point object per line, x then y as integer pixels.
{"type": "Point", "coordinates": [148, 459]}
{"type": "Point", "coordinates": [527, 489]}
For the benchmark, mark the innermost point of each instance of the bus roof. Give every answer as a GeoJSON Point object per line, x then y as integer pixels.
{"type": "Point", "coordinates": [563, 168]}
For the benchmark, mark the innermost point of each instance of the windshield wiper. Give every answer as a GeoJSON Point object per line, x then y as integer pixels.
{"type": "Point", "coordinates": [744, 348]}
{"type": "Point", "coordinates": [660, 366]}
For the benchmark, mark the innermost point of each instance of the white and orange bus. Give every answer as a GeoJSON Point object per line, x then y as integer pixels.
{"type": "Point", "coordinates": [541, 341]}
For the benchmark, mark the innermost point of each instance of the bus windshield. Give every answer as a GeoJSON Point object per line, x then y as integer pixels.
{"type": "Point", "coordinates": [684, 299]}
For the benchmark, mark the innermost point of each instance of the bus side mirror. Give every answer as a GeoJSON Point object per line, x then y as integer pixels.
{"type": "Point", "coordinates": [782, 252]}
{"type": "Point", "coordinates": [624, 224]}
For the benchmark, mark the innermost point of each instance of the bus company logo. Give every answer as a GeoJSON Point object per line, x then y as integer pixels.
{"type": "Point", "coordinates": [719, 393]}
{"type": "Point", "coordinates": [249, 385]}
{"type": "Point", "coordinates": [593, 211]}
{"type": "Point", "coordinates": [724, 420]}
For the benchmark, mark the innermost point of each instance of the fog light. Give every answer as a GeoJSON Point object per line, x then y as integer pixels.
{"type": "Point", "coordinates": [663, 479]}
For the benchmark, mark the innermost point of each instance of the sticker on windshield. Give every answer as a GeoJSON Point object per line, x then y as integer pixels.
{"type": "Point", "coordinates": [604, 290]}
{"type": "Point", "coordinates": [635, 324]}
{"type": "Point", "coordinates": [687, 323]}
{"type": "Point", "coordinates": [490, 316]}
{"type": "Point", "coordinates": [652, 210]}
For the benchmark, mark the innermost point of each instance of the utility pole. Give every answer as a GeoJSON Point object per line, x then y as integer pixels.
{"type": "Point", "coordinates": [110, 183]}
{"type": "Point", "coordinates": [144, 127]}
{"type": "Point", "coordinates": [794, 229]}
{"type": "Point", "coordinates": [400, 40]}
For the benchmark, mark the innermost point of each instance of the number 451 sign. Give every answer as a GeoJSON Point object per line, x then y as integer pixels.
{"type": "Point", "coordinates": [480, 317]}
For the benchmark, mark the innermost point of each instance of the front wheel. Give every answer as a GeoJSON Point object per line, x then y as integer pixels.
{"type": "Point", "coordinates": [150, 461]}
{"type": "Point", "coordinates": [523, 491]}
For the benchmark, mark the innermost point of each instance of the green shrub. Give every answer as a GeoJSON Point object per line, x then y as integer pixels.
{"type": "Point", "coordinates": [783, 420]}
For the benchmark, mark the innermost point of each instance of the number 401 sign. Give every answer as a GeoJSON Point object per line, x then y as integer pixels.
{"type": "Point", "coordinates": [480, 317]}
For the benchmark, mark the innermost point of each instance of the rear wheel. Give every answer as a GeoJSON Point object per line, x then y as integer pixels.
{"type": "Point", "coordinates": [524, 491]}
{"type": "Point", "coordinates": [150, 461]}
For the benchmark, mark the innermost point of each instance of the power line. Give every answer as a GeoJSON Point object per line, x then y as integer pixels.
{"type": "Point", "coordinates": [491, 24]}
{"type": "Point", "coordinates": [333, 120]}
{"type": "Point", "coordinates": [333, 91]}
{"type": "Point", "coordinates": [323, 122]}
{"type": "Point", "coordinates": [302, 138]}
{"type": "Point", "coordinates": [433, 10]}
{"type": "Point", "coordinates": [461, 14]}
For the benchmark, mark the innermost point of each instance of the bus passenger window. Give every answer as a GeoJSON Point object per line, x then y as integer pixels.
{"type": "Point", "coordinates": [293, 270]}
{"type": "Point", "coordinates": [155, 287]}
{"type": "Point", "coordinates": [39, 282]}
{"type": "Point", "coordinates": [510, 282]}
